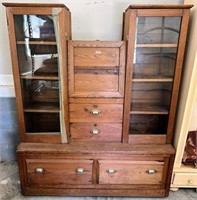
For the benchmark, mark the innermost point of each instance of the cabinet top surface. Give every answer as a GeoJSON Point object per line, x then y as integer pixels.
{"type": "Point", "coordinates": [34, 5]}
{"type": "Point", "coordinates": [99, 148]}
{"type": "Point", "coordinates": [160, 6]}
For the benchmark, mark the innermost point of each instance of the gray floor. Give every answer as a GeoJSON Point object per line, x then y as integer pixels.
{"type": "Point", "coordinates": [10, 188]}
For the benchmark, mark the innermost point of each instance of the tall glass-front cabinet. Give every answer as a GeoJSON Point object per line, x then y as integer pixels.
{"type": "Point", "coordinates": [38, 39]}
{"type": "Point", "coordinates": [119, 92]}
{"type": "Point", "coordinates": [156, 38]}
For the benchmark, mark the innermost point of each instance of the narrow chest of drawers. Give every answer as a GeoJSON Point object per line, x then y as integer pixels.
{"type": "Point", "coordinates": [96, 79]}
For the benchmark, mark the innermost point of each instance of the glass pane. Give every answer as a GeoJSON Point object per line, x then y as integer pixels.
{"type": "Point", "coordinates": [148, 124]}
{"type": "Point", "coordinates": [37, 93]}
{"type": "Point", "coordinates": [152, 30]}
{"type": "Point", "coordinates": [36, 45]}
{"type": "Point", "coordinates": [42, 122]}
{"type": "Point", "coordinates": [38, 67]}
{"type": "Point", "coordinates": [153, 72]}
{"type": "Point", "coordinates": [150, 96]}
{"type": "Point", "coordinates": [154, 62]}
{"type": "Point", "coordinates": [35, 27]}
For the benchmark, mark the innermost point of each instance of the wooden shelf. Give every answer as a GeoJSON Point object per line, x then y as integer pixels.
{"type": "Point", "coordinates": [144, 76]}
{"type": "Point", "coordinates": [155, 45]}
{"type": "Point", "coordinates": [37, 42]}
{"type": "Point", "coordinates": [39, 77]}
{"type": "Point", "coordinates": [42, 108]}
{"type": "Point", "coordinates": [148, 109]}
{"type": "Point", "coordinates": [152, 80]}
{"type": "Point", "coordinates": [43, 133]}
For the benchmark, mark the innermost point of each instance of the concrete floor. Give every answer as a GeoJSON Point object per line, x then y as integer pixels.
{"type": "Point", "coordinates": [10, 189]}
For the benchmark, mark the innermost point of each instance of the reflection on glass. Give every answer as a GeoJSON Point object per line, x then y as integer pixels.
{"type": "Point", "coordinates": [152, 30]}
{"type": "Point", "coordinates": [155, 62]}
{"type": "Point", "coordinates": [37, 93]}
{"type": "Point", "coordinates": [34, 26]}
{"type": "Point", "coordinates": [36, 45]}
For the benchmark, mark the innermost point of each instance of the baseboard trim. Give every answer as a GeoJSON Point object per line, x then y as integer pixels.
{"type": "Point", "coordinates": [7, 86]}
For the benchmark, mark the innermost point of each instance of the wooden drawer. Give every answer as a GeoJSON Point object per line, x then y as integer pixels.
{"type": "Point", "coordinates": [99, 132]}
{"type": "Point", "coordinates": [130, 172]}
{"type": "Point", "coordinates": [96, 112]}
{"type": "Point", "coordinates": [96, 69]}
{"type": "Point", "coordinates": [185, 179]}
{"type": "Point", "coordinates": [54, 172]}
{"type": "Point", "coordinates": [60, 162]}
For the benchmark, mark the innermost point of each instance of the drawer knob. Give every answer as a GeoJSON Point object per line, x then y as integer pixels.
{"type": "Point", "coordinates": [95, 112]}
{"type": "Point", "coordinates": [111, 171]}
{"type": "Point", "coordinates": [151, 171]}
{"type": "Point", "coordinates": [39, 170]}
{"type": "Point", "coordinates": [80, 170]}
{"type": "Point", "coordinates": [95, 131]}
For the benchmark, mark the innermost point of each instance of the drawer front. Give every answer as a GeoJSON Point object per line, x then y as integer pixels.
{"type": "Point", "coordinates": [97, 56]}
{"type": "Point", "coordinates": [99, 132]}
{"type": "Point", "coordinates": [96, 84]}
{"type": "Point", "coordinates": [185, 179]}
{"type": "Point", "coordinates": [96, 69]}
{"type": "Point", "coordinates": [56, 172]}
{"type": "Point", "coordinates": [96, 112]}
{"type": "Point", "coordinates": [130, 172]}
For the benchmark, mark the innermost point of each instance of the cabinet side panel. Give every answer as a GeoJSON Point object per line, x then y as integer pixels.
{"type": "Point", "coordinates": [130, 19]}
{"type": "Point", "coordinates": [177, 76]}
{"type": "Point", "coordinates": [63, 33]}
{"type": "Point", "coordinates": [15, 68]}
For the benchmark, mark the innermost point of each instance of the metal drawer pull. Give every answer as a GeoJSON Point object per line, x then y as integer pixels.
{"type": "Point", "coordinates": [111, 171]}
{"type": "Point", "coordinates": [151, 171]}
{"type": "Point", "coordinates": [94, 131]}
{"type": "Point", "coordinates": [39, 170]}
{"type": "Point", "coordinates": [95, 111]}
{"type": "Point", "coordinates": [80, 170]}
{"type": "Point", "coordinates": [98, 52]}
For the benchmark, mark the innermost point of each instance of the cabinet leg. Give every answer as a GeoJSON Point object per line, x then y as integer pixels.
{"type": "Point", "coordinates": [174, 189]}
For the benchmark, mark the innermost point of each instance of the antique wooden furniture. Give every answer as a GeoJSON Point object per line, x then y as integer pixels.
{"type": "Point", "coordinates": [96, 90]}
{"type": "Point", "coordinates": [96, 117]}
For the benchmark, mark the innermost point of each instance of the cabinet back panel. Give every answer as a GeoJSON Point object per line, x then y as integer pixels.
{"type": "Point", "coordinates": [42, 122]}
{"type": "Point", "coordinates": [159, 93]}
{"type": "Point", "coordinates": [148, 124]}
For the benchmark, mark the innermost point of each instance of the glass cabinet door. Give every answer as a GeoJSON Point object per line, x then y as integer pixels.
{"type": "Point", "coordinates": [39, 63]}
{"type": "Point", "coordinates": [38, 68]}
{"type": "Point", "coordinates": [153, 69]}
{"type": "Point", "coordinates": [156, 40]}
